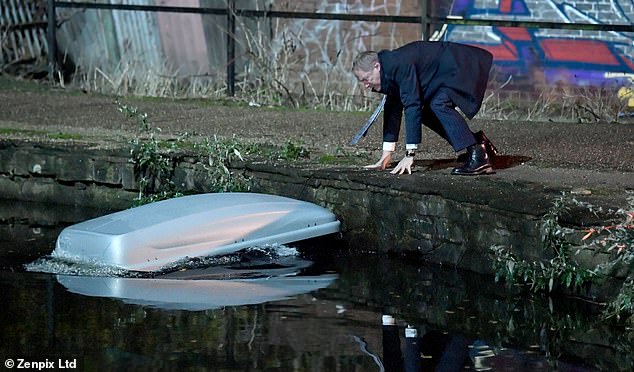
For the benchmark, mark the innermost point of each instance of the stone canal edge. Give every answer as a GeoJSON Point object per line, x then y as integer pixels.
{"type": "Point", "coordinates": [443, 219]}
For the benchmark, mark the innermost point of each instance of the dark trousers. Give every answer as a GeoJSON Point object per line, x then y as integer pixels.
{"type": "Point", "coordinates": [440, 115]}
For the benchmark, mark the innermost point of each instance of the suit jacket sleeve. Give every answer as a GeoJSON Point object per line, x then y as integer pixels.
{"type": "Point", "coordinates": [410, 96]}
{"type": "Point", "coordinates": [407, 99]}
{"type": "Point", "coordinates": [392, 116]}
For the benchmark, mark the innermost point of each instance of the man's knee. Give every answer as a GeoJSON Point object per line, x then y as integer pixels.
{"type": "Point", "coordinates": [441, 103]}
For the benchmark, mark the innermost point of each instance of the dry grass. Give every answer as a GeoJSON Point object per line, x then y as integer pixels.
{"type": "Point", "coordinates": [132, 78]}
{"type": "Point", "coordinates": [569, 104]}
{"type": "Point", "coordinates": [281, 69]}
{"type": "Point", "coordinates": [271, 80]}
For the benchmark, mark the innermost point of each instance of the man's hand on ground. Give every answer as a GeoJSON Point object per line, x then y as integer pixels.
{"type": "Point", "coordinates": [382, 163]}
{"type": "Point", "coordinates": [404, 165]}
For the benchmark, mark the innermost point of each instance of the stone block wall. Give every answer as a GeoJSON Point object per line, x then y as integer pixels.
{"type": "Point", "coordinates": [414, 219]}
{"type": "Point", "coordinates": [434, 219]}
{"type": "Point", "coordinates": [65, 174]}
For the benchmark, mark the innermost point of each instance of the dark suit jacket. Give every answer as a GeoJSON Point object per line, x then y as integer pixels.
{"type": "Point", "coordinates": [413, 73]}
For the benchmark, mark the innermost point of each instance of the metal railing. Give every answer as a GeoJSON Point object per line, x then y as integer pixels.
{"type": "Point", "coordinates": [231, 12]}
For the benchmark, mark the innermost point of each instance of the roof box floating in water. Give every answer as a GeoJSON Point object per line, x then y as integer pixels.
{"type": "Point", "coordinates": [151, 236]}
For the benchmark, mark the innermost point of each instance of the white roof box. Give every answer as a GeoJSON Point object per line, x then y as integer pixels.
{"type": "Point", "coordinates": [148, 237]}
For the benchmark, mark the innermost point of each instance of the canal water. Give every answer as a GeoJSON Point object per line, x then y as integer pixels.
{"type": "Point", "coordinates": [307, 307]}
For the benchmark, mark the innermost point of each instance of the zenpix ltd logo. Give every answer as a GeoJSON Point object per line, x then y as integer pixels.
{"type": "Point", "coordinates": [39, 365]}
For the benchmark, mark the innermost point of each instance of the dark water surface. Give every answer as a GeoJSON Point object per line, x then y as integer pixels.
{"type": "Point", "coordinates": [313, 308]}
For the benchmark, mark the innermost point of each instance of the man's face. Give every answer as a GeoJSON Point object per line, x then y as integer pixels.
{"type": "Point", "coordinates": [370, 79]}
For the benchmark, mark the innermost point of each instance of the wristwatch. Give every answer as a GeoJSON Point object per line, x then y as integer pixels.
{"type": "Point", "coordinates": [410, 153]}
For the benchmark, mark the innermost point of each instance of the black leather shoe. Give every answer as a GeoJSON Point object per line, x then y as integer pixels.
{"type": "Point", "coordinates": [490, 147]}
{"type": "Point", "coordinates": [478, 162]}
{"type": "Point", "coordinates": [481, 138]}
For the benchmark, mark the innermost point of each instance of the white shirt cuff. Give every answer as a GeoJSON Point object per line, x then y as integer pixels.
{"type": "Point", "coordinates": [389, 146]}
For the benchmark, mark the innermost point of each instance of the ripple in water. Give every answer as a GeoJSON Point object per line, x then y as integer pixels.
{"type": "Point", "coordinates": [67, 266]}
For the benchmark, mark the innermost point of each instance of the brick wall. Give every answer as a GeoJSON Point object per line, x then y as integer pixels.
{"type": "Point", "coordinates": [536, 57]}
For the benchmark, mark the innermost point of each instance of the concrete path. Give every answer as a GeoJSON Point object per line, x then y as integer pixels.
{"type": "Point", "coordinates": [593, 160]}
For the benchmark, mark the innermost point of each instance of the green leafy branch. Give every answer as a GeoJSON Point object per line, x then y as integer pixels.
{"type": "Point", "coordinates": [542, 275]}
{"type": "Point", "coordinates": [562, 270]}
{"type": "Point", "coordinates": [155, 161]}
{"type": "Point", "coordinates": [217, 157]}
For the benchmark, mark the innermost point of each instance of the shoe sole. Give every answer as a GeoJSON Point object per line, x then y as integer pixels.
{"type": "Point", "coordinates": [478, 172]}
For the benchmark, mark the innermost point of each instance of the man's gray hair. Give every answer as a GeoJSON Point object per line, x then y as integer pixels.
{"type": "Point", "coordinates": [365, 61]}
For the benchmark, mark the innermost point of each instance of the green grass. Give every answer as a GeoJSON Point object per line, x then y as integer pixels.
{"type": "Point", "coordinates": [64, 136]}
{"type": "Point", "coordinates": [22, 132]}
{"type": "Point", "coordinates": [40, 133]}
{"type": "Point", "coordinates": [14, 84]}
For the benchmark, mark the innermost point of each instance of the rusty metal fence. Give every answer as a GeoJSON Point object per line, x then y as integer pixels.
{"type": "Point", "coordinates": [22, 25]}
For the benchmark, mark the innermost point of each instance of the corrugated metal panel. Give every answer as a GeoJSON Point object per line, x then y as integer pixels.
{"type": "Point", "coordinates": [137, 34]}
{"type": "Point", "coordinates": [110, 39]}
{"type": "Point", "coordinates": [183, 38]}
{"type": "Point", "coordinates": [22, 31]}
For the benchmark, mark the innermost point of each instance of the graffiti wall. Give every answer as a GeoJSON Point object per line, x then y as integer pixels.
{"type": "Point", "coordinates": [530, 57]}
{"type": "Point", "coordinates": [313, 57]}
{"type": "Point", "coordinates": [551, 56]}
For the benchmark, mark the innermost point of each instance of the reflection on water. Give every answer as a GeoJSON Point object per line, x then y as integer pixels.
{"type": "Point", "coordinates": [318, 312]}
{"type": "Point", "coordinates": [209, 288]}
